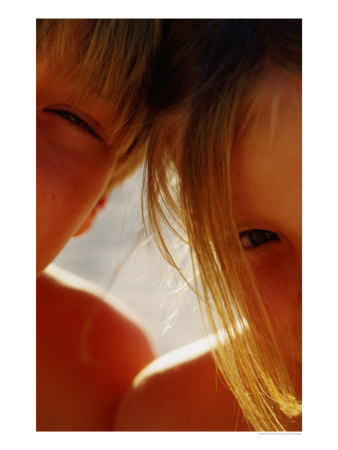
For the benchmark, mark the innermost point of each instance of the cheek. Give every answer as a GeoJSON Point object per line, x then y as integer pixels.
{"type": "Point", "coordinates": [278, 277]}
{"type": "Point", "coordinates": [68, 187]}
{"type": "Point", "coordinates": [62, 200]}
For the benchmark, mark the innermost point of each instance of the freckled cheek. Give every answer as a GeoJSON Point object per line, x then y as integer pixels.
{"type": "Point", "coordinates": [69, 175]}
{"type": "Point", "coordinates": [58, 215]}
{"type": "Point", "coordinates": [61, 200]}
{"type": "Point", "coordinates": [67, 190]}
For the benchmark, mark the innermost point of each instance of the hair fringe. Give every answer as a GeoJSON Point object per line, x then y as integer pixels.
{"type": "Point", "coordinates": [111, 60]}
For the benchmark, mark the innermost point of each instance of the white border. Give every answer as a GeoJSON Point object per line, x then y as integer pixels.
{"type": "Point", "coordinates": [18, 222]}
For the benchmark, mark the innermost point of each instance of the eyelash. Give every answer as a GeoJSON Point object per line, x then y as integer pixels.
{"type": "Point", "coordinates": [74, 119]}
{"type": "Point", "coordinates": [251, 239]}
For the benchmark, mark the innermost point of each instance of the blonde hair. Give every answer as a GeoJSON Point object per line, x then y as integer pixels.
{"type": "Point", "coordinates": [203, 76]}
{"type": "Point", "coordinates": [113, 60]}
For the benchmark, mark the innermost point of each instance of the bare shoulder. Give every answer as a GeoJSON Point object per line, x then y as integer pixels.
{"type": "Point", "coordinates": [180, 391]}
{"type": "Point", "coordinates": [89, 349]}
{"type": "Point", "coordinates": [59, 291]}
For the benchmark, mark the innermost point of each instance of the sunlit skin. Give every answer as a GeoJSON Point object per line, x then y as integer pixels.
{"type": "Point", "coordinates": [73, 166]}
{"type": "Point", "coordinates": [182, 391]}
{"type": "Point", "coordinates": [88, 350]}
{"type": "Point", "coordinates": [267, 183]}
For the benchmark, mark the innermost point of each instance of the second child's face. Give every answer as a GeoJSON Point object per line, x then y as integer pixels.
{"type": "Point", "coordinates": [266, 169]}
{"type": "Point", "coordinates": [74, 165]}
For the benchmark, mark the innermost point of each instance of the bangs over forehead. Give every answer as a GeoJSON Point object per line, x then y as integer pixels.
{"type": "Point", "coordinates": [109, 59]}
{"type": "Point", "coordinates": [264, 93]}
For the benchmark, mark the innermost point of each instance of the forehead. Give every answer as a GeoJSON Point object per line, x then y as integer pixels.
{"type": "Point", "coordinates": [266, 159]}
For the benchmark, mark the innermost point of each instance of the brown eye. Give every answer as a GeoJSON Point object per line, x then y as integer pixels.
{"type": "Point", "coordinates": [74, 119]}
{"type": "Point", "coordinates": [255, 238]}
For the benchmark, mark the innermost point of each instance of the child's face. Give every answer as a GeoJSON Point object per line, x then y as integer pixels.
{"type": "Point", "coordinates": [267, 196]}
{"type": "Point", "coordinates": [74, 165]}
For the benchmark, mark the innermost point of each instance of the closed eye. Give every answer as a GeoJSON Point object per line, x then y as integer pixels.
{"type": "Point", "coordinates": [74, 119]}
{"type": "Point", "coordinates": [254, 238]}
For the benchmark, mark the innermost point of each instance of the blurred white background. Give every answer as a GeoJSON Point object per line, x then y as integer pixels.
{"type": "Point", "coordinates": [141, 278]}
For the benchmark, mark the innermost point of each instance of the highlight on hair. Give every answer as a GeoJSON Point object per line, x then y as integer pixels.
{"type": "Point", "coordinates": [203, 78]}
{"type": "Point", "coordinates": [113, 60]}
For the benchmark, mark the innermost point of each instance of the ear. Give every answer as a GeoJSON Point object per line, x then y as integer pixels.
{"type": "Point", "coordinates": [88, 222]}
